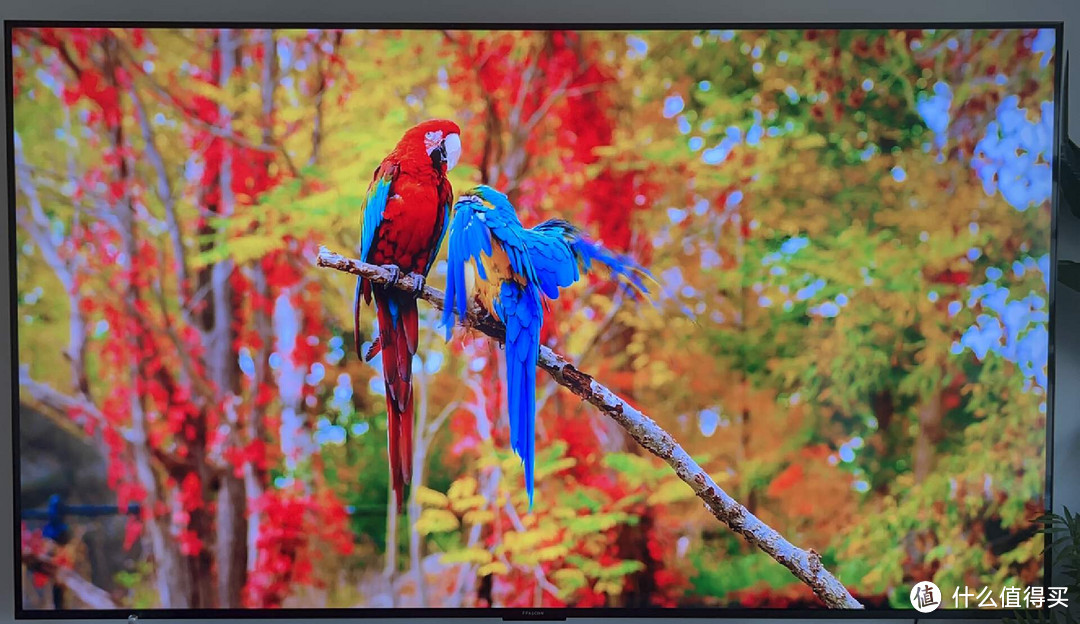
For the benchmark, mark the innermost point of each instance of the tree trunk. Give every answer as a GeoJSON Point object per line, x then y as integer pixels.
{"type": "Point", "coordinates": [232, 520]}
{"type": "Point", "coordinates": [184, 580]}
{"type": "Point", "coordinates": [390, 569]}
{"type": "Point", "coordinates": [419, 453]}
{"type": "Point", "coordinates": [930, 434]}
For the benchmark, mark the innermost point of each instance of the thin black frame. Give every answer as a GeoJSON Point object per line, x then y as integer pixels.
{"type": "Point", "coordinates": [503, 612]}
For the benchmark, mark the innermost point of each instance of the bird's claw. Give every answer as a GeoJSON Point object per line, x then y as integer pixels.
{"type": "Point", "coordinates": [395, 273]}
{"type": "Point", "coordinates": [419, 281]}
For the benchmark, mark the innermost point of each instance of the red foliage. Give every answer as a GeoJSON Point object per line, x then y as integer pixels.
{"type": "Point", "coordinates": [787, 479]}
{"type": "Point", "coordinates": [189, 541]}
{"type": "Point", "coordinates": [94, 86]}
{"type": "Point", "coordinates": [132, 530]}
{"type": "Point", "coordinates": [297, 527]}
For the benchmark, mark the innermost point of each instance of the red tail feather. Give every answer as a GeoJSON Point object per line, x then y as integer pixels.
{"type": "Point", "coordinates": [363, 294]}
{"type": "Point", "coordinates": [399, 446]}
{"type": "Point", "coordinates": [405, 442]}
{"type": "Point", "coordinates": [397, 353]}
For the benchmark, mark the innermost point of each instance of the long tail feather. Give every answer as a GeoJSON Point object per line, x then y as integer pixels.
{"type": "Point", "coordinates": [521, 311]}
{"type": "Point", "coordinates": [398, 324]}
{"type": "Point", "coordinates": [373, 350]}
{"type": "Point", "coordinates": [356, 315]}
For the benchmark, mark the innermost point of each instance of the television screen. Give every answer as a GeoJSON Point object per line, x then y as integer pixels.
{"type": "Point", "coordinates": [530, 322]}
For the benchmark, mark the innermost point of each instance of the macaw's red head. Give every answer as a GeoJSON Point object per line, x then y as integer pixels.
{"type": "Point", "coordinates": [437, 140]}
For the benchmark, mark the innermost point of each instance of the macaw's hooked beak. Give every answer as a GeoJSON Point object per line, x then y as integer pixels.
{"type": "Point", "coordinates": [452, 150]}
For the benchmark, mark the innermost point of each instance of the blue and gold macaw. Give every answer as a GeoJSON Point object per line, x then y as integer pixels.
{"type": "Point", "coordinates": [516, 269]}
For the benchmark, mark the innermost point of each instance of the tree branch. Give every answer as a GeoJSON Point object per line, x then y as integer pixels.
{"type": "Point", "coordinates": [89, 594]}
{"type": "Point", "coordinates": [192, 117]}
{"type": "Point", "coordinates": [62, 403]}
{"type": "Point", "coordinates": [805, 565]}
{"type": "Point", "coordinates": [168, 202]}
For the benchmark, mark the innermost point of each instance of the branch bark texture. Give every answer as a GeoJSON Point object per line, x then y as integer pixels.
{"type": "Point", "coordinates": [89, 594]}
{"type": "Point", "coordinates": [804, 564]}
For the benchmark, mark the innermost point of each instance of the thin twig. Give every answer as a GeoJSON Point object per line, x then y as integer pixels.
{"type": "Point", "coordinates": [537, 570]}
{"type": "Point", "coordinates": [192, 117]}
{"type": "Point", "coordinates": [168, 201]}
{"type": "Point", "coordinates": [62, 403]}
{"type": "Point", "coordinates": [805, 565]}
{"type": "Point", "coordinates": [89, 594]}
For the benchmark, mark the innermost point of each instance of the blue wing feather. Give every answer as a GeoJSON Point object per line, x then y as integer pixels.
{"type": "Point", "coordinates": [478, 217]}
{"type": "Point", "coordinates": [465, 239]}
{"type": "Point", "coordinates": [564, 253]}
{"type": "Point", "coordinates": [374, 206]}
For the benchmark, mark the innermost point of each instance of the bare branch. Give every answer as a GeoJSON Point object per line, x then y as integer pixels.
{"type": "Point", "coordinates": [36, 222]}
{"type": "Point", "coordinates": [168, 201]}
{"type": "Point", "coordinates": [805, 565]}
{"type": "Point", "coordinates": [64, 403]}
{"type": "Point", "coordinates": [538, 572]}
{"type": "Point", "coordinates": [526, 85]}
{"type": "Point", "coordinates": [437, 423]}
{"type": "Point", "coordinates": [192, 117]}
{"type": "Point", "coordinates": [89, 594]}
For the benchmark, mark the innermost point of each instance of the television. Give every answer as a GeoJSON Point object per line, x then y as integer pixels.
{"type": "Point", "coordinates": [745, 320]}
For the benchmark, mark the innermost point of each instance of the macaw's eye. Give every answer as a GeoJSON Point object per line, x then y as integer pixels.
{"type": "Point", "coordinates": [432, 141]}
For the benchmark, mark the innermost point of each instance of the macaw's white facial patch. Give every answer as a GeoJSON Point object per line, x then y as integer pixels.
{"type": "Point", "coordinates": [432, 140]}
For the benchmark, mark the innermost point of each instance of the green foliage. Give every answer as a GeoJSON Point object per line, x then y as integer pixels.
{"type": "Point", "coordinates": [738, 572]}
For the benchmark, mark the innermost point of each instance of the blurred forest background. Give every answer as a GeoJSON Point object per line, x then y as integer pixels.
{"type": "Point", "coordinates": [852, 233]}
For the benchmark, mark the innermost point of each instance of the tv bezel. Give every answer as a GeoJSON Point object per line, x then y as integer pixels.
{"type": "Point", "coordinates": [519, 613]}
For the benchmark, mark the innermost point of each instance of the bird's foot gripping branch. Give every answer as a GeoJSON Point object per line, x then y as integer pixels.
{"type": "Point", "coordinates": [805, 565]}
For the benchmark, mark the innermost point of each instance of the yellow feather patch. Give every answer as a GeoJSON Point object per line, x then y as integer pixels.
{"type": "Point", "coordinates": [497, 269]}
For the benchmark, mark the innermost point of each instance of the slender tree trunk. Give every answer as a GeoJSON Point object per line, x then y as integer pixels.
{"type": "Point", "coordinates": [232, 520]}
{"type": "Point", "coordinates": [390, 569]}
{"type": "Point", "coordinates": [254, 477]}
{"type": "Point", "coordinates": [930, 434]}
{"type": "Point", "coordinates": [185, 580]}
{"type": "Point", "coordinates": [416, 564]}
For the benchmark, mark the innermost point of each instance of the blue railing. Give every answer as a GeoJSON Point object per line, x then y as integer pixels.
{"type": "Point", "coordinates": [57, 510]}
{"type": "Point", "coordinates": [55, 528]}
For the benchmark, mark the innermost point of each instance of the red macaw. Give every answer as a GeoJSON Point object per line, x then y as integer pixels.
{"type": "Point", "coordinates": [406, 213]}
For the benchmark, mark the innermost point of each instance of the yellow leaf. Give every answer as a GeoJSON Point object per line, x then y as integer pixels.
{"type": "Point", "coordinates": [436, 521]}
{"type": "Point", "coordinates": [569, 577]}
{"type": "Point", "coordinates": [430, 498]}
{"type": "Point", "coordinates": [495, 567]}
{"type": "Point", "coordinates": [479, 516]}
{"type": "Point", "coordinates": [556, 467]}
{"type": "Point", "coordinates": [468, 503]}
{"type": "Point", "coordinates": [520, 541]}
{"type": "Point", "coordinates": [477, 556]}
{"type": "Point", "coordinates": [552, 553]}
{"type": "Point", "coordinates": [462, 488]}
{"type": "Point", "coordinates": [562, 513]}
{"type": "Point", "coordinates": [612, 588]}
